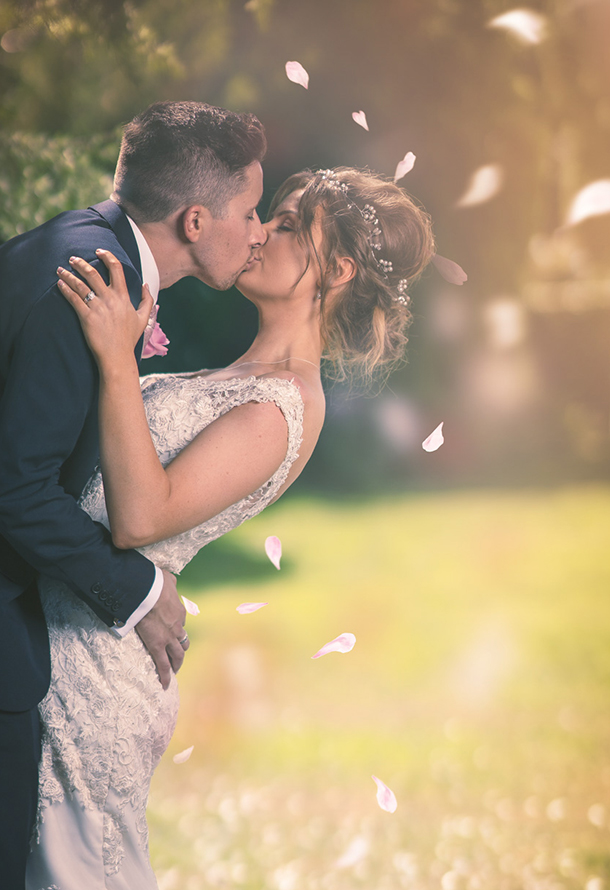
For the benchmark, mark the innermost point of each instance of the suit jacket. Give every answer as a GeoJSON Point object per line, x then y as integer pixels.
{"type": "Point", "coordinates": [49, 446]}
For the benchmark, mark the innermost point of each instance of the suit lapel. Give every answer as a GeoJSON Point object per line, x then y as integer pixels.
{"type": "Point", "coordinates": [119, 223]}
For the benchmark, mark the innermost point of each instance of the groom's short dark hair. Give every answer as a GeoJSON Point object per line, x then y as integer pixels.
{"type": "Point", "coordinates": [176, 154]}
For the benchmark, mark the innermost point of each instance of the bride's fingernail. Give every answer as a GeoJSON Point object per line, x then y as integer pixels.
{"type": "Point", "coordinates": [99, 250]}
{"type": "Point", "coordinates": [72, 260]}
{"type": "Point", "coordinates": [60, 269]}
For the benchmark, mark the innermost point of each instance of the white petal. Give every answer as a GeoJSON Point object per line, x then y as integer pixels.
{"type": "Point", "coordinates": [246, 608]}
{"type": "Point", "coordinates": [342, 643]}
{"type": "Point", "coordinates": [592, 200]}
{"type": "Point", "coordinates": [273, 549]}
{"type": "Point", "coordinates": [528, 26]}
{"type": "Point", "coordinates": [356, 851]}
{"type": "Point", "coordinates": [191, 607]}
{"type": "Point", "coordinates": [360, 118]}
{"type": "Point", "coordinates": [297, 74]}
{"type": "Point", "coordinates": [385, 797]}
{"type": "Point", "coordinates": [450, 271]}
{"type": "Point", "coordinates": [404, 166]}
{"type": "Point", "coordinates": [484, 184]}
{"type": "Point", "coordinates": [184, 755]}
{"type": "Point", "coordinates": [434, 440]}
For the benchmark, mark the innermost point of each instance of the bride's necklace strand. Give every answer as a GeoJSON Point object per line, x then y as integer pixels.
{"type": "Point", "coordinates": [291, 358]}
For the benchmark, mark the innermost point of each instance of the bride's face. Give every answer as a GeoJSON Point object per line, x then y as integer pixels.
{"type": "Point", "coordinates": [280, 268]}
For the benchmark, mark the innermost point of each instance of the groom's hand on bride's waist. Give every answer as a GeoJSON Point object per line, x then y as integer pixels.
{"type": "Point", "coordinates": [162, 629]}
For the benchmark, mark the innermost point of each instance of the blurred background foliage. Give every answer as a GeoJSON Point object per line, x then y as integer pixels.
{"type": "Point", "coordinates": [516, 361]}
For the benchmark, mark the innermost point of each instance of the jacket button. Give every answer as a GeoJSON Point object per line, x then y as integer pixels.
{"type": "Point", "coordinates": [96, 588]}
{"type": "Point", "coordinates": [115, 608]}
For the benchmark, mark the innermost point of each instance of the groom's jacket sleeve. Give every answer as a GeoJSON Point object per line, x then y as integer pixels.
{"type": "Point", "coordinates": [49, 402]}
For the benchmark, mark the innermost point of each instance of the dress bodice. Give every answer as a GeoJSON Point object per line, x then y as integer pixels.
{"type": "Point", "coordinates": [178, 407]}
{"type": "Point", "coordinates": [106, 719]}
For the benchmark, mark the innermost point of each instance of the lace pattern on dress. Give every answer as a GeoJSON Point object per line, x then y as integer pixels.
{"type": "Point", "coordinates": [106, 719]}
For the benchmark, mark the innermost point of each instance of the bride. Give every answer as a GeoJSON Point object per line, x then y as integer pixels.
{"type": "Point", "coordinates": [185, 458]}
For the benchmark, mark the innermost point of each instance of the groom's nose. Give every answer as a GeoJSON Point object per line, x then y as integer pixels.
{"type": "Point", "coordinates": [258, 235]}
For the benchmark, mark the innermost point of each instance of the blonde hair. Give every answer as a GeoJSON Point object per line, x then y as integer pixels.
{"type": "Point", "coordinates": [363, 325]}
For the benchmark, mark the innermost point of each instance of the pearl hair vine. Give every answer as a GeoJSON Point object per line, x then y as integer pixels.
{"type": "Point", "coordinates": [369, 215]}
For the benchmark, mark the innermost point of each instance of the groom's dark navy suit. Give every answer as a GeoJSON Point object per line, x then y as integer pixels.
{"type": "Point", "coordinates": [48, 449]}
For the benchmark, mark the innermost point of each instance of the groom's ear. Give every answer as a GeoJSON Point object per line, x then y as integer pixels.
{"type": "Point", "coordinates": [194, 222]}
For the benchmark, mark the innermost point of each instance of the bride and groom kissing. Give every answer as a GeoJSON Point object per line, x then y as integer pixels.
{"type": "Point", "coordinates": [87, 554]}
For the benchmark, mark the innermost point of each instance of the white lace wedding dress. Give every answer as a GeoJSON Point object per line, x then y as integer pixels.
{"type": "Point", "coordinates": [106, 719]}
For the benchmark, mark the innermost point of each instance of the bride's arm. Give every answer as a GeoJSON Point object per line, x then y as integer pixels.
{"type": "Point", "coordinates": [228, 460]}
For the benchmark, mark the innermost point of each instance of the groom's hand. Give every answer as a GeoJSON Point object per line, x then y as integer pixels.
{"type": "Point", "coordinates": [162, 629]}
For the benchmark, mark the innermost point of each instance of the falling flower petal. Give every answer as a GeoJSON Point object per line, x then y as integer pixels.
{"type": "Point", "coordinates": [297, 74]}
{"type": "Point", "coordinates": [484, 184]}
{"type": "Point", "coordinates": [385, 797]}
{"type": "Point", "coordinates": [246, 608]}
{"type": "Point", "coordinates": [360, 118]}
{"type": "Point", "coordinates": [592, 200]}
{"type": "Point", "coordinates": [184, 755]}
{"type": "Point", "coordinates": [356, 851]}
{"type": "Point", "coordinates": [450, 271]}
{"type": "Point", "coordinates": [528, 26]}
{"type": "Point", "coordinates": [191, 607]}
{"type": "Point", "coordinates": [342, 643]}
{"type": "Point", "coordinates": [434, 440]}
{"type": "Point", "coordinates": [404, 166]}
{"type": "Point", "coordinates": [273, 549]}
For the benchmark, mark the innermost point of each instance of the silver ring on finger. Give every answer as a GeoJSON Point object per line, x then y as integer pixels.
{"type": "Point", "coordinates": [90, 296]}
{"type": "Point", "coordinates": [185, 640]}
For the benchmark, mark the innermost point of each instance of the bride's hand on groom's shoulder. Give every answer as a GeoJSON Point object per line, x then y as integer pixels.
{"type": "Point", "coordinates": [111, 325]}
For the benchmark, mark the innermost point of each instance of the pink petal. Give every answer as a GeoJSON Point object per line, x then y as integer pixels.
{"type": "Point", "coordinates": [360, 118]}
{"type": "Point", "coordinates": [191, 607]}
{"type": "Point", "coordinates": [404, 166]}
{"type": "Point", "coordinates": [184, 755]}
{"type": "Point", "coordinates": [385, 797]}
{"type": "Point", "coordinates": [342, 643]}
{"type": "Point", "coordinates": [246, 608]}
{"type": "Point", "coordinates": [273, 549]}
{"type": "Point", "coordinates": [450, 271]}
{"type": "Point", "coordinates": [434, 440]}
{"type": "Point", "coordinates": [297, 74]}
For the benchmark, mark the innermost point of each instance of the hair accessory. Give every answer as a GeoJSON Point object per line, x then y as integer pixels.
{"type": "Point", "coordinates": [369, 215]}
{"type": "Point", "coordinates": [402, 297]}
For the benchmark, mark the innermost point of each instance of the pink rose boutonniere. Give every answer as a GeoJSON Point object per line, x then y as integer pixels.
{"type": "Point", "coordinates": [155, 341]}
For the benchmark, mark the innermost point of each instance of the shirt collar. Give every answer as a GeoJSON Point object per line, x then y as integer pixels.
{"type": "Point", "coordinates": [150, 271]}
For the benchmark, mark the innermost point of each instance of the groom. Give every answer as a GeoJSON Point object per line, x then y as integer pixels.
{"type": "Point", "coordinates": [187, 184]}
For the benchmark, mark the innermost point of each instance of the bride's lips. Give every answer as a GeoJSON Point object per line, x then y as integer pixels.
{"type": "Point", "coordinates": [251, 262]}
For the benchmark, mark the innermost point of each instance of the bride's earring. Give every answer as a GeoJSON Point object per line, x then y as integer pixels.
{"type": "Point", "coordinates": [319, 295]}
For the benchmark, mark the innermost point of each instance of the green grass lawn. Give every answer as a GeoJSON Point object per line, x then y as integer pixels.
{"type": "Point", "coordinates": [478, 690]}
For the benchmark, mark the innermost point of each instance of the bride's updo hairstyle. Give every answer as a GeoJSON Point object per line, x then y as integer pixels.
{"type": "Point", "coordinates": [389, 237]}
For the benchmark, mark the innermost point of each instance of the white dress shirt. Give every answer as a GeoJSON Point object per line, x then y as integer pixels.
{"type": "Point", "coordinates": [150, 276]}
